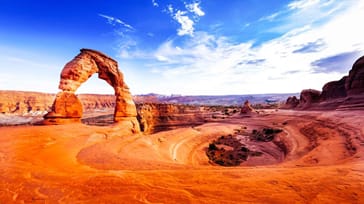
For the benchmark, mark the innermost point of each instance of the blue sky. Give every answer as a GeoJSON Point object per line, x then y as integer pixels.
{"type": "Point", "coordinates": [205, 47]}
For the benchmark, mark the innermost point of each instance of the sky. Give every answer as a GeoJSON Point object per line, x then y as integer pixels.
{"type": "Point", "coordinates": [189, 47]}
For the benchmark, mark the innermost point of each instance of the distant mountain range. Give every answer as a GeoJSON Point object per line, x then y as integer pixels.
{"type": "Point", "coordinates": [225, 100]}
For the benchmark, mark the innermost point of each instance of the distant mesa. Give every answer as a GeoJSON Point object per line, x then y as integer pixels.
{"type": "Point", "coordinates": [346, 93]}
{"type": "Point", "coordinates": [68, 108]}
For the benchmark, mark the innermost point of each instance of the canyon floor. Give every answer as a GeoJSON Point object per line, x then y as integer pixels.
{"type": "Point", "coordinates": [78, 163]}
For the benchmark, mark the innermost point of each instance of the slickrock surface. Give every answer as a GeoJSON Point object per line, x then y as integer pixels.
{"type": "Point", "coordinates": [76, 163]}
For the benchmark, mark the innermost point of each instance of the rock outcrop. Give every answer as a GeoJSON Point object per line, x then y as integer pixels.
{"type": "Point", "coordinates": [334, 89]}
{"type": "Point", "coordinates": [76, 72]}
{"type": "Point", "coordinates": [158, 117]}
{"type": "Point", "coordinates": [348, 92]}
{"type": "Point", "coordinates": [354, 84]}
{"type": "Point", "coordinates": [308, 97]}
{"type": "Point", "coordinates": [66, 108]}
{"type": "Point", "coordinates": [247, 108]}
{"type": "Point", "coordinates": [291, 102]}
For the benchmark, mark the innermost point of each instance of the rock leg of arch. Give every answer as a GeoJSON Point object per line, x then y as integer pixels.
{"type": "Point", "coordinates": [67, 107]}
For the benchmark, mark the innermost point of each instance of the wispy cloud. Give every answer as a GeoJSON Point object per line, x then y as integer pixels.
{"type": "Point", "coordinates": [337, 63]}
{"type": "Point", "coordinates": [301, 13]}
{"type": "Point", "coordinates": [301, 4]}
{"type": "Point", "coordinates": [315, 46]}
{"type": "Point", "coordinates": [113, 21]}
{"type": "Point", "coordinates": [126, 42]}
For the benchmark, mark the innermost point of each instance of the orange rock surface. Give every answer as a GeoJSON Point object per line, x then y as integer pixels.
{"type": "Point", "coordinates": [76, 163]}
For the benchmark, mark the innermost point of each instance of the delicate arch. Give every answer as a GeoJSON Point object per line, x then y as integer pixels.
{"type": "Point", "coordinates": [78, 71]}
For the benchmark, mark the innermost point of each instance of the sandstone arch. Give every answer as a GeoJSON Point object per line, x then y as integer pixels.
{"type": "Point", "coordinates": [68, 108]}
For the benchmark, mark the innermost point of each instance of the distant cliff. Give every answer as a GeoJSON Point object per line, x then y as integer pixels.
{"type": "Point", "coordinates": [25, 103]}
{"type": "Point", "coordinates": [156, 117]}
{"type": "Point", "coordinates": [37, 103]}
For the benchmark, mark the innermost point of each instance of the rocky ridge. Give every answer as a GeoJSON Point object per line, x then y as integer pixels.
{"type": "Point", "coordinates": [346, 93]}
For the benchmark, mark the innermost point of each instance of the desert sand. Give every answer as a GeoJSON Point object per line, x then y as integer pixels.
{"type": "Point", "coordinates": [78, 163]}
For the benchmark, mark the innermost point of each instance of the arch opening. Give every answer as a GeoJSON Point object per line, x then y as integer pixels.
{"type": "Point", "coordinates": [98, 102]}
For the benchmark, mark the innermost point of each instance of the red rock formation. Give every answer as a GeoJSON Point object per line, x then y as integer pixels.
{"type": "Point", "coordinates": [307, 97]}
{"type": "Point", "coordinates": [334, 89]}
{"type": "Point", "coordinates": [66, 108]}
{"type": "Point", "coordinates": [247, 108]}
{"type": "Point", "coordinates": [157, 117]}
{"type": "Point", "coordinates": [291, 102]}
{"type": "Point", "coordinates": [91, 102]}
{"type": "Point", "coordinates": [81, 68]}
{"type": "Point", "coordinates": [354, 83]}
{"type": "Point", "coordinates": [25, 103]}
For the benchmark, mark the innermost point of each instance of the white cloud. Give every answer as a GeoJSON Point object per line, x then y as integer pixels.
{"type": "Point", "coordinates": [207, 64]}
{"type": "Point", "coordinates": [155, 4]}
{"type": "Point", "coordinates": [186, 19]}
{"type": "Point", "coordinates": [112, 20]}
{"type": "Point", "coordinates": [195, 8]}
{"type": "Point", "coordinates": [185, 22]}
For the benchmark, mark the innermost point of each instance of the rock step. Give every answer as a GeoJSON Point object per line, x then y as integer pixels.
{"type": "Point", "coordinates": [358, 106]}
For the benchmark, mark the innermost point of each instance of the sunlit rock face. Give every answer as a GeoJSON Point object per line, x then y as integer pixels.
{"type": "Point", "coordinates": [76, 72]}
{"type": "Point", "coordinates": [155, 117]}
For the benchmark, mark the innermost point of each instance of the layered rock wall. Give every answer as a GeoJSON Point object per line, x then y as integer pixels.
{"type": "Point", "coordinates": [25, 103]}
{"type": "Point", "coordinates": [157, 117]}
